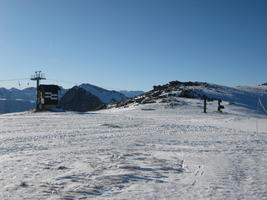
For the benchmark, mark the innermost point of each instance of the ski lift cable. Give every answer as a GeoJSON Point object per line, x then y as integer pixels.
{"type": "Point", "coordinates": [17, 79]}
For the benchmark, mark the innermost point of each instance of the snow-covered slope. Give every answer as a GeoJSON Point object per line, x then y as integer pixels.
{"type": "Point", "coordinates": [106, 96]}
{"type": "Point", "coordinates": [245, 96]}
{"type": "Point", "coordinates": [151, 151]}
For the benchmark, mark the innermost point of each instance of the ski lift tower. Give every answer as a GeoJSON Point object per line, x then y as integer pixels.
{"type": "Point", "coordinates": [37, 77]}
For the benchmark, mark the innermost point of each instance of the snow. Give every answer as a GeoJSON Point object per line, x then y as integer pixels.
{"type": "Point", "coordinates": [246, 96]}
{"type": "Point", "coordinates": [151, 151]}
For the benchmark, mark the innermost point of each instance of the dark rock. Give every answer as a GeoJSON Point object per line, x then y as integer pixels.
{"type": "Point", "coordinates": [192, 83]}
{"type": "Point", "coordinates": [23, 184]}
{"type": "Point", "coordinates": [139, 100]}
{"type": "Point", "coordinates": [157, 93]}
{"type": "Point", "coordinates": [175, 83]}
{"type": "Point", "coordinates": [62, 168]}
{"type": "Point", "coordinates": [187, 94]}
{"type": "Point", "coordinates": [158, 87]}
{"type": "Point", "coordinates": [148, 100]}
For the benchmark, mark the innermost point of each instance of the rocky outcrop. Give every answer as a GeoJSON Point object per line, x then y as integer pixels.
{"type": "Point", "coordinates": [171, 93]}
{"type": "Point", "coordinates": [163, 92]}
{"type": "Point", "coordinates": [78, 99]}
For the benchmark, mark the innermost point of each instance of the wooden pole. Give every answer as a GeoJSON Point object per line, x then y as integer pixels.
{"type": "Point", "coordinates": [205, 104]}
{"type": "Point", "coordinates": [220, 107]}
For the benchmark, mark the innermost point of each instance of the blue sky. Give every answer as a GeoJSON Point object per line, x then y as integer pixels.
{"type": "Point", "coordinates": [133, 44]}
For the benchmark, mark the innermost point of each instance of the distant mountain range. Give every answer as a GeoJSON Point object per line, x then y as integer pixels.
{"type": "Point", "coordinates": [15, 100]}
{"type": "Point", "coordinates": [106, 96]}
{"type": "Point", "coordinates": [131, 94]}
{"type": "Point", "coordinates": [28, 94]}
{"type": "Point", "coordinates": [79, 97]}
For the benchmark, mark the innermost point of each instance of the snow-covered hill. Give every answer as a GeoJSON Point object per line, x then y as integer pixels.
{"type": "Point", "coordinates": [106, 96]}
{"type": "Point", "coordinates": [148, 151]}
{"type": "Point", "coordinates": [245, 96]}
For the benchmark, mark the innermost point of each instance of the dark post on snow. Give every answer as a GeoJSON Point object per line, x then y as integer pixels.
{"type": "Point", "coordinates": [37, 77]}
{"type": "Point", "coordinates": [220, 106]}
{"type": "Point", "coordinates": [205, 104]}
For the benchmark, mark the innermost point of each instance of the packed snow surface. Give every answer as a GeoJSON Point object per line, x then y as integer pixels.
{"type": "Point", "coordinates": [153, 151]}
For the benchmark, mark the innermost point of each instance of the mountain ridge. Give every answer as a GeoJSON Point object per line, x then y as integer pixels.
{"type": "Point", "coordinates": [16, 100]}
{"type": "Point", "coordinates": [245, 96]}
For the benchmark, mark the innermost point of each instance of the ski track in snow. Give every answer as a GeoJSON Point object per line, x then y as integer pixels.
{"type": "Point", "coordinates": [154, 153]}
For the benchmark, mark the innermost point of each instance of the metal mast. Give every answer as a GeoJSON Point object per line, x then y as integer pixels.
{"type": "Point", "coordinates": [37, 77]}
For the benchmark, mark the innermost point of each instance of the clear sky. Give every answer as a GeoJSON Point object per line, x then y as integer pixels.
{"type": "Point", "coordinates": [133, 44]}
